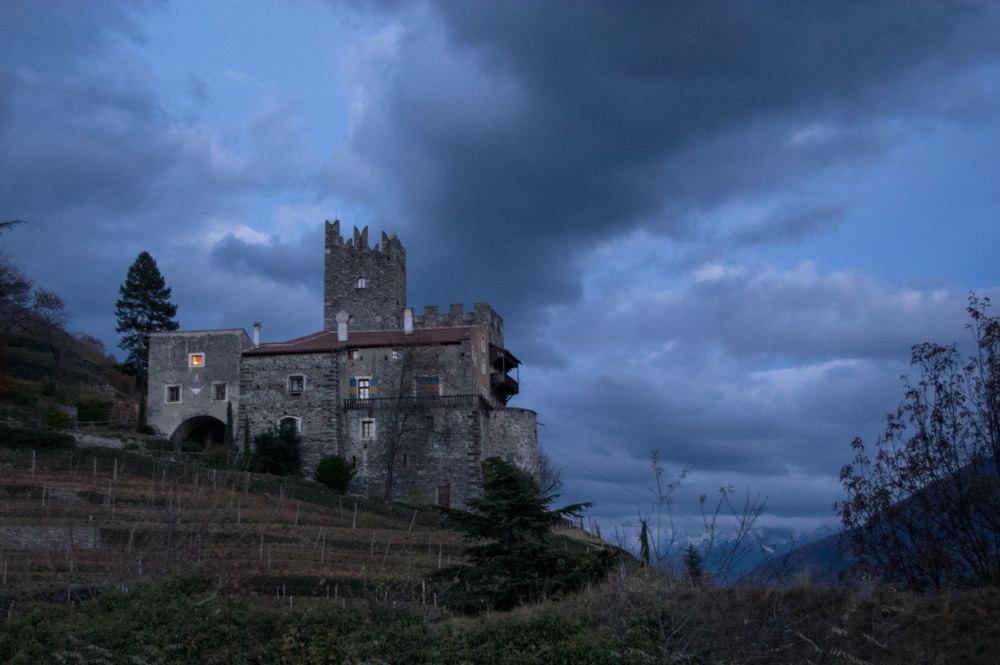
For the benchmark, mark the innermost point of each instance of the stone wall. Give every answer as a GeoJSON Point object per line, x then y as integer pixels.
{"type": "Point", "coordinates": [264, 382]}
{"type": "Point", "coordinates": [169, 365]}
{"type": "Point", "coordinates": [513, 436]}
{"type": "Point", "coordinates": [377, 306]}
{"type": "Point", "coordinates": [456, 316]}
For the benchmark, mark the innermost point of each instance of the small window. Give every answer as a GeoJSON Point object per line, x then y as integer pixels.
{"type": "Point", "coordinates": [427, 386]}
{"type": "Point", "coordinates": [482, 343]}
{"type": "Point", "coordinates": [220, 392]}
{"type": "Point", "coordinates": [364, 388]}
{"type": "Point", "coordinates": [360, 283]}
{"type": "Point", "coordinates": [290, 421]}
{"type": "Point", "coordinates": [482, 365]}
{"type": "Point", "coordinates": [196, 360]}
{"type": "Point", "coordinates": [354, 460]}
{"type": "Point", "coordinates": [397, 355]}
{"type": "Point", "coordinates": [355, 354]}
{"type": "Point", "coordinates": [296, 383]}
{"type": "Point", "coordinates": [405, 459]}
{"type": "Point", "coordinates": [367, 429]}
{"type": "Point", "coordinates": [173, 394]}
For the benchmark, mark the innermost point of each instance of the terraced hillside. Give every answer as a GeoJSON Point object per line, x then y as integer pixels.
{"type": "Point", "coordinates": [77, 521]}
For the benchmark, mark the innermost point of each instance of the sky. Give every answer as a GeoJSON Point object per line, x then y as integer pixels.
{"type": "Point", "coordinates": [713, 229]}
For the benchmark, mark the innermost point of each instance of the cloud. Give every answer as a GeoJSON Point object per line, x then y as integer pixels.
{"type": "Point", "coordinates": [522, 134]}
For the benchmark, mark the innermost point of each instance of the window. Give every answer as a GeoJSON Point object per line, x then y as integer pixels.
{"type": "Point", "coordinates": [296, 383]}
{"type": "Point", "coordinates": [397, 355]}
{"type": "Point", "coordinates": [482, 343]}
{"type": "Point", "coordinates": [196, 360]}
{"type": "Point", "coordinates": [405, 459]}
{"type": "Point", "coordinates": [367, 429]}
{"type": "Point", "coordinates": [291, 421]}
{"type": "Point", "coordinates": [360, 283]}
{"type": "Point", "coordinates": [220, 392]}
{"type": "Point", "coordinates": [364, 388]}
{"type": "Point", "coordinates": [427, 386]}
{"type": "Point", "coordinates": [173, 394]}
{"type": "Point", "coordinates": [482, 365]}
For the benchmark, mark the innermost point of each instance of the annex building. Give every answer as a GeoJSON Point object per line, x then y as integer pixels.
{"type": "Point", "coordinates": [415, 401]}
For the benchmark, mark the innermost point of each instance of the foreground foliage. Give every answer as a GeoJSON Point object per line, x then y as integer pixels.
{"type": "Point", "coordinates": [633, 618]}
{"type": "Point", "coordinates": [514, 560]}
{"type": "Point", "coordinates": [924, 512]}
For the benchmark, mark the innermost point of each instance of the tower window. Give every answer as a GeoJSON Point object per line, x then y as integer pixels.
{"type": "Point", "coordinates": [360, 283]}
{"type": "Point", "coordinates": [364, 388]}
{"type": "Point", "coordinates": [296, 383]}
{"type": "Point", "coordinates": [367, 429]}
{"type": "Point", "coordinates": [220, 392]}
{"type": "Point", "coordinates": [196, 360]}
{"type": "Point", "coordinates": [173, 394]}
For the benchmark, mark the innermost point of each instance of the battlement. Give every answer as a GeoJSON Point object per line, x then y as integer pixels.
{"type": "Point", "coordinates": [367, 283]}
{"type": "Point", "coordinates": [390, 243]}
{"type": "Point", "coordinates": [480, 315]}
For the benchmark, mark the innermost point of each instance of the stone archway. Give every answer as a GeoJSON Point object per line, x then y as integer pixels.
{"type": "Point", "coordinates": [203, 429]}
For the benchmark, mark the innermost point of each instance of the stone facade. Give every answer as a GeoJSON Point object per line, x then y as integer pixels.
{"type": "Point", "coordinates": [416, 402]}
{"type": "Point", "coordinates": [193, 376]}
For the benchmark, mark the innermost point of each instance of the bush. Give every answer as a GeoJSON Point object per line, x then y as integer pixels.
{"type": "Point", "coordinates": [93, 411]}
{"type": "Point", "coordinates": [278, 452]}
{"type": "Point", "coordinates": [23, 395]}
{"type": "Point", "coordinates": [57, 419]}
{"type": "Point", "coordinates": [19, 436]}
{"type": "Point", "coordinates": [335, 472]}
{"type": "Point", "coordinates": [160, 445]}
{"type": "Point", "coordinates": [189, 446]}
{"type": "Point", "coordinates": [216, 455]}
{"type": "Point", "coordinates": [145, 429]}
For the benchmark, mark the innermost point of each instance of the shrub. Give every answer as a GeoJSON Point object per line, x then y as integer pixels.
{"type": "Point", "coordinates": [160, 445]}
{"type": "Point", "coordinates": [335, 472]}
{"type": "Point", "coordinates": [19, 436]}
{"type": "Point", "coordinates": [57, 419]}
{"type": "Point", "coordinates": [278, 452]}
{"type": "Point", "coordinates": [189, 446]}
{"type": "Point", "coordinates": [93, 411]}
{"type": "Point", "coordinates": [23, 395]}
{"type": "Point", "coordinates": [145, 429]}
{"type": "Point", "coordinates": [216, 455]}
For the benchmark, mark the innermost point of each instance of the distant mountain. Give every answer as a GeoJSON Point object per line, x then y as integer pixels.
{"type": "Point", "coordinates": [825, 562]}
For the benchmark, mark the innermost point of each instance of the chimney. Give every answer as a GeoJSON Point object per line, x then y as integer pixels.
{"type": "Point", "coordinates": [256, 334]}
{"type": "Point", "coordinates": [408, 321]}
{"type": "Point", "coordinates": [342, 318]}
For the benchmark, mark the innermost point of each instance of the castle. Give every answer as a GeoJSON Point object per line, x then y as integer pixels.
{"type": "Point", "coordinates": [416, 402]}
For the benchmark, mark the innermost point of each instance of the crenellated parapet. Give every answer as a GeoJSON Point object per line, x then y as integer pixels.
{"type": "Point", "coordinates": [456, 315]}
{"type": "Point", "coordinates": [369, 283]}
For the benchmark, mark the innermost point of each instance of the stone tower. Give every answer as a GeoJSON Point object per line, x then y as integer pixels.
{"type": "Point", "coordinates": [367, 283]}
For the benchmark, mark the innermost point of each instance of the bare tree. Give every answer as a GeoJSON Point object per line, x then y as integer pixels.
{"type": "Point", "coordinates": [406, 418]}
{"type": "Point", "coordinates": [925, 511]}
{"type": "Point", "coordinates": [549, 475]}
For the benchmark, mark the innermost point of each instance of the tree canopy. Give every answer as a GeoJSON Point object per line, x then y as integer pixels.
{"type": "Point", "coordinates": [513, 560]}
{"type": "Point", "coordinates": [143, 308]}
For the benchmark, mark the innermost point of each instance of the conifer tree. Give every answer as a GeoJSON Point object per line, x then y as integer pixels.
{"type": "Point", "coordinates": [143, 308]}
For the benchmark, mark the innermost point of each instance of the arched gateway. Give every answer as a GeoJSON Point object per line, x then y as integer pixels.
{"type": "Point", "coordinates": [203, 429]}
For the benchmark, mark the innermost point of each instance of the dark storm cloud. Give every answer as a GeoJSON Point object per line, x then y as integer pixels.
{"type": "Point", "coordinates": [537, 128]}
{"type": "Point", "coordinates": [295, 264]}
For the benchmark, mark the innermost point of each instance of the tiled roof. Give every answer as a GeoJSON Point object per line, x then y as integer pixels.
{"type": "Point", "coordinates": [327, 340]}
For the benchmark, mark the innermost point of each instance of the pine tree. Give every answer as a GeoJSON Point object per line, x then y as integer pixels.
{"type": "Point", "coordinates": [144, 308]}
{"type": "Point", "coordinates": [694, 569]}
{"type": "Point", "coordinates": [513, 560]}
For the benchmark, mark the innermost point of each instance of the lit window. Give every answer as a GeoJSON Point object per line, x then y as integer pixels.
{"type": "Point", "coordinates": [296, 383]}
{"type": "Point", "coordinates": [220, 392]}
{"type": "Point", "coordinates": [173, 394]}
{"type": "Point", "coordinates": [364, 388]}
{"type": "Point", "coordinates": [196, 360]}
{"type": "Point", "coordinates": [367, 429]}
{"type": "Point", "coordinates": [361, 282]}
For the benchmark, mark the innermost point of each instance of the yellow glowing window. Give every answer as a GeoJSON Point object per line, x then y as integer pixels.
{"type": "Point", "coordinates": [196, 359]}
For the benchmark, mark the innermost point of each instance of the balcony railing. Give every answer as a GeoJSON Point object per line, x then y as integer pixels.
{"type": "Point", "coordinates": [435, 402]}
